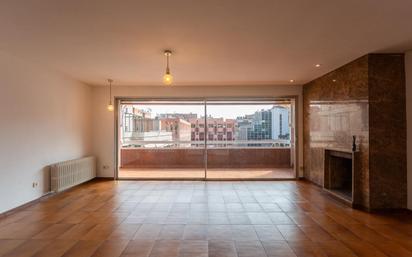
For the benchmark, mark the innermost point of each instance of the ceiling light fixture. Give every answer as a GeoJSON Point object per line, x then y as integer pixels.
{"type": "Point", "coordinates": [167, 78]}
{"type": "Point", "coordinates": [110, 105]}
{"type": "Point", "coordinates": [317, 65]}
{"type": "Point", "coordinates": [292, 80]}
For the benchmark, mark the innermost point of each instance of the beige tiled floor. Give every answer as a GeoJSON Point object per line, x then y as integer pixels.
{"type": "Point", "coordinates": [255, 173]}
{"type": "Point", "coordinates": [198, 218]}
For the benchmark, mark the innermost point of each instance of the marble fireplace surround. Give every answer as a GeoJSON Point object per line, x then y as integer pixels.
{"type": "Point", "coordinates": [336, 174]}
{"type": "Point", "coordinates": [366, 99]}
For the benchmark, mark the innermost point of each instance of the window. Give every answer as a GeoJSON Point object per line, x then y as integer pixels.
{"type": "Point", "coordinates": [205, 138]}
{"type": "Point", "coordinates": [249, 123]}
{"type": "Point", "coordinates": [169, 124]}
{"type": "Point", "coordinates": [229, 135]}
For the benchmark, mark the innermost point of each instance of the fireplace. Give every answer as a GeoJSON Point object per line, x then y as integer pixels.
{"type": "Point", "coordinates": [339, 174]}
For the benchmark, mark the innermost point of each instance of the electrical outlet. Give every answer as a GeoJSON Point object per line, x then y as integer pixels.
{"type": "Point", "coordinates": [35, 184]}
{"type": "Point", "coordinates": [105, 167]}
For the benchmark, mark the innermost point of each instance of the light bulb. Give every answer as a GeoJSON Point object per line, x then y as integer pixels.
{"type": "Point", "coordinates": [167, 79]}
{"type": "Point", "coordinates": [110, 107]}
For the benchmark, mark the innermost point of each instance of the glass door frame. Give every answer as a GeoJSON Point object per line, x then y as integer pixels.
{"type": "Point", "coordinates": [294, 103]}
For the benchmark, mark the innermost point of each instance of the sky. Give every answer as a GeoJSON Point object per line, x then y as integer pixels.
{"type": "Point", "coordinates": [216, 111]}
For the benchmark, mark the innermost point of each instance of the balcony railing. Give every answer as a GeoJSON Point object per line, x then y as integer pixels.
{"type": "Point", "coordinates": [218, 144]}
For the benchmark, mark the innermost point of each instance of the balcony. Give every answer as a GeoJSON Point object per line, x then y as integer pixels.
{"type": "Point", "coordinates": [223, 162]}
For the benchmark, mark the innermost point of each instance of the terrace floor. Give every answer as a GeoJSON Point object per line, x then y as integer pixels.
{"type": "Point", "coordinates": [215, 174]}
{"type": "Point", "coordinates": [201, 218]}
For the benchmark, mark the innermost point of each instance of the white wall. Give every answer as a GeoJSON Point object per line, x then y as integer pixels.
{"type": "Point", "coordinates": [103, 120]}
{"type": "Point", "coordinates": [408, 68]}
{"type": "Point", "coordinates": [45, 118]}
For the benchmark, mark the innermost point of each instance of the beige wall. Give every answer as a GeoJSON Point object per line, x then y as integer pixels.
{"type": "Point", "coordinates": [408, 68]}
{"type": "Point", "coordinates": [103, 121]}
{"type": "Point", "coordinates": [44, 118]}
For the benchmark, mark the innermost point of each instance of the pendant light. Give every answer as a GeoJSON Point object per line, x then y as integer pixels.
{"type": "Point", "coordinates": [167, 78]}
{"type": "Point", "coordinates": [110, 105]}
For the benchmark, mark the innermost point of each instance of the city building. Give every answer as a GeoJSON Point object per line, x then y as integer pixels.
{"type": "Point", "coordinates": [243, 126]}
{"type": "Point", "coordinates": [269, 125]}
{"type": "Point", "coordinates": [180, 128]}
{"type": "Point", "coordinates": [261, 128]}
{"type": "Point", "coordinates": [139, 129]}
{"type": "Point", "coordinates": [138, 120]}
{"type": "Point", "coordinates": [280, 122]}
{"type": "Point", "coordinates": [218, 129]}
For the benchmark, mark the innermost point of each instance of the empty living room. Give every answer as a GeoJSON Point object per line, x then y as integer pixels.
{"type": "Point", "coordinates": [222, 128]}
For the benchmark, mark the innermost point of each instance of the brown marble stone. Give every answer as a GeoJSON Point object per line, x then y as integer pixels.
{"type": "Point", "coordinates": [387, 131]}
{"type": "Point", "coordinates": [366, 99]}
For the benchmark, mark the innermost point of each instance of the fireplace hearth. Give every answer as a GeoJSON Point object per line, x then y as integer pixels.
{"type": "Point", "coordinates": [339, 174]}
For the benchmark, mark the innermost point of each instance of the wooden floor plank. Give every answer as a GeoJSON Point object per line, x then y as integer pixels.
{"type": "Point", "coordinates": [198, 218]}
{"type": "Point", "coordinates": [56, 248]}
{"type": "Point", "coordinates": [28, 248]}
{"type": "Point", "coordinates": [7, 245]}
{"type": "Point", "coordinates": [83, 248]}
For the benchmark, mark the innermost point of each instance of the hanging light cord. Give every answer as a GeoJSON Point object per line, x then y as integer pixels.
{"type": "Point", "coordinates": [110, 90]}
{"type": "Point", "coordinates": [167, 64]}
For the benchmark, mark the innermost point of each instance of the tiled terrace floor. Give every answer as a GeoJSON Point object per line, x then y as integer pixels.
{"type": "Point", "coordinates": [249, 173]}
{"type": "Point", "coordinates": [186, 218]}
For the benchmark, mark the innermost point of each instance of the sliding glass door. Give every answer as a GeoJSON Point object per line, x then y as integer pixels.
{"type": "Point", "coordinates": [206, 139]}
{"type": "Point", "coordinates": [249, 140]}
{"type": "Point", "coordinates": [157, 140]}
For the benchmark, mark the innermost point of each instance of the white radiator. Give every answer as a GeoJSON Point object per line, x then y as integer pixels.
{"type": "Point", "coordinates": [64, 175]}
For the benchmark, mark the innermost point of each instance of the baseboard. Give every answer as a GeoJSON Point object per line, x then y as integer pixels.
{"type": "Point", "coordinates": [26, 205]}
{"type": "Point", "coordinates": [44, 197]}
{"type": "Point", "coordinates": [102, 178]}
{"type": "Point", "coordinates": [310, 182]}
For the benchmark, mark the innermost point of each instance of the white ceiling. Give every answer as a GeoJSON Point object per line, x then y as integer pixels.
{"type": "Point", "coordinates": [216, 42]}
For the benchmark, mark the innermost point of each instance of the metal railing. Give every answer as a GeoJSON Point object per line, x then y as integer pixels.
{"type": "Point", "coordinates": [177, 144]}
